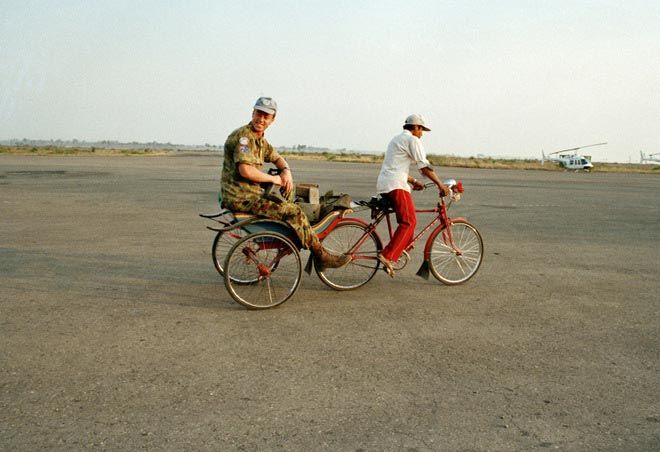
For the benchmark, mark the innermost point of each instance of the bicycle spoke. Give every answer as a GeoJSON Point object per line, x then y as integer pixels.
{"type": "Point", "coordinates": [460, 267]}
{"type": "Point", "coordinates": [354, 263]}
{"type": "Point", "coordinates": [454, 265]}
{"type": "Point", "coordinates": [364, 265]}
{"type": "Point", "coordinates": [445, 246]}
{"type": "Point", "coordinates": [270, 291]}
{"type": "Point", "coordinates": [271, 264]}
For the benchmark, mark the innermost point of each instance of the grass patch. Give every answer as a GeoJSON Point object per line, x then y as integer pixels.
{"type": "Point", "coordinates": [351, 157]}
{"type": "Point", "coordinates": [474, 162]}
{"type": "Point", "coordinates": [81, 151]}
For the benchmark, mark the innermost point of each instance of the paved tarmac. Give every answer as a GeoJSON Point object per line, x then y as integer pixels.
{"type": "Point", "coordinates": [116, 332]}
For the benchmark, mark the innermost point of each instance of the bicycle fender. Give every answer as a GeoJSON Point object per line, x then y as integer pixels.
{"type": "Point", "coordinates": [309, 264]}
{"type": "Point", "coordinates": [360, 221]}
{"type": "Point", "coordinates": [328, 227]}
{"type": "Point", "coordinates": [357, 220]}
{"type": "Point", "coordinates": [436, 231]}
{"type": "Point", "coordinates": [270, 225]}
{"type": "Point", "coordinates": [424, 270]}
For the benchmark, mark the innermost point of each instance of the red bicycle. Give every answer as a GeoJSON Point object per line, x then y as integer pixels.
{"type": "Point", "coordinates": [453, 251]}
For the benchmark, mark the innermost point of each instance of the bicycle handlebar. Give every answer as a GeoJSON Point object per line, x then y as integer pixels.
{"type": "Point", "coordinates": [455, 187]}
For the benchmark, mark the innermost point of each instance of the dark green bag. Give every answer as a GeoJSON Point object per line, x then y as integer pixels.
{"type": "Point", "coordinates": [330, 202]}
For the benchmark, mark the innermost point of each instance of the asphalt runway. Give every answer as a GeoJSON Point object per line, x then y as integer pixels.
{"type": "Point", "coordinates": [117, 333]}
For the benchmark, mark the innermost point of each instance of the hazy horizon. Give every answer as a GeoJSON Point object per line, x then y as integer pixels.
{"type": "Point", "coordinates": [503, 79]}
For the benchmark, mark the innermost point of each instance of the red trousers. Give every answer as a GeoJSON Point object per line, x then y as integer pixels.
{"type": "Point", "coordinates": [406, 219]}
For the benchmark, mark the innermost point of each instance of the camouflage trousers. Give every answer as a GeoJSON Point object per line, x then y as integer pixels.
{"type": "Point", "coordinates": [288, 212]}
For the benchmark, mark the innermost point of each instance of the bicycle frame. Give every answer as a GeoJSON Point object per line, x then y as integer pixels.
{"type": "Point", "coordinates": [445, 227]}
{"type": "Point", "coordinates": [328, 224]}
{"type": "Point", "coordinates": [442, 218]}
{"type": "Point", "coordinates": [439, 223]}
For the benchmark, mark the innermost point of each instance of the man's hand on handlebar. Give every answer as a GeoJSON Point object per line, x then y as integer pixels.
{"type": "Point", "coordinates": [417, 185]}
{"type": "Point", "coordinates": [443, 189]}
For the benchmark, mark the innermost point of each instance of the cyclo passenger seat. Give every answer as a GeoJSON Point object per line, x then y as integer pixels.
{"type": "Point", "coordinates": [255, 223]}
{"type": "Point", "coordinates": [226, 217]}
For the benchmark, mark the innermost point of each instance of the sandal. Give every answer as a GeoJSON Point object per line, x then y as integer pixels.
{"type": "Point", "coordinates": [387, 265]}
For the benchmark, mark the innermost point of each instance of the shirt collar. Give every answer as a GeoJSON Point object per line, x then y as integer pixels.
{"type": "Point", "coordinates": [253, 133]}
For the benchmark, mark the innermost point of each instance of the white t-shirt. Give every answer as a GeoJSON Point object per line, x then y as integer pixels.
{"type": "Point", "coordinates": [403, 150]}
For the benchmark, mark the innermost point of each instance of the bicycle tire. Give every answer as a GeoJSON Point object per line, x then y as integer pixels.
{"type": "Point", "coordinates": [445, 264]}
{"type": "Point", "coordinates": [262, 270]}
{"type": "Point", "coordinates": [364, 264]}
{"type": "Point", "coordinates": [222, 244]}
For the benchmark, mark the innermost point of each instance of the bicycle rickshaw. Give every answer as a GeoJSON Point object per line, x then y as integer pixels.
{"type": "Point", "coordinates": [260, 261]}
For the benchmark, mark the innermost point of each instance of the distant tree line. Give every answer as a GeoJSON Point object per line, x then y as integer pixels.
{"type": "Point", "coordinates": [114, 144]}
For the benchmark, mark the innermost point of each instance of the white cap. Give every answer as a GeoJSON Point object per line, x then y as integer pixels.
{"type": "Point", "coordinates": [417, 120]}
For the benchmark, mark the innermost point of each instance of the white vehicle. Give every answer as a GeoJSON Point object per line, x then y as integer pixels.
{"type": "Point", "coordinates": [650, 158]}
{"type": "Point", "coordinates": [571, 160]}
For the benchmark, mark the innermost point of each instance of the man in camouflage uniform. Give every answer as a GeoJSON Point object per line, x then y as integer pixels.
{"type": "Point", "coordinates": [246, 150]}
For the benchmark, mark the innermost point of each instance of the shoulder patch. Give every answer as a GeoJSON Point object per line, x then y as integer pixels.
{"type": "Point", "coordinates": [244, 140]}
{"type": "Point", "coordinates": [243, 148]}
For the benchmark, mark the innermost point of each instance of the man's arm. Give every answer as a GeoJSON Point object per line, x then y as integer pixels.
{"type": "Point", "coordinates": [251, 173]}
{"type": "Point", "coordinates": [419, 156]}
{"type": "Point", "coordinates": [285, 174]}
{"type": "Point", "coordinates": [427, 171]}
{"type": "Point", "coordinates": [416, 185]}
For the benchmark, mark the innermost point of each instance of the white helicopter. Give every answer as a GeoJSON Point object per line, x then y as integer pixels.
{"type": "Point", "coordinates": [650, 158]}
{"type": "Point", "coordinates": [570, 160]}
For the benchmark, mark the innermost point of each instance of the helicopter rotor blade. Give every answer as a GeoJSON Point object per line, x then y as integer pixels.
{"type": "Point", "coordinates": [579, 147]}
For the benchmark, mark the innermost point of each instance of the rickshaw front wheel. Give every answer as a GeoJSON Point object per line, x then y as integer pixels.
{"type": "Point", "coordinates": [262, 270]}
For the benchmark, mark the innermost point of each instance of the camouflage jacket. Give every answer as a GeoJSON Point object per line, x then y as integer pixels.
{"type": "Point", "coordinates": [243, 146]}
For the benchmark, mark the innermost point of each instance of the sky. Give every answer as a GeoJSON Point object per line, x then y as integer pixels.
{"type": "Point", "coordinates": [499, 78]}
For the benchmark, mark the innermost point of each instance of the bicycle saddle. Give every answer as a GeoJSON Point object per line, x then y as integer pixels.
{"type": "Point", "coordinates": [376, 202]}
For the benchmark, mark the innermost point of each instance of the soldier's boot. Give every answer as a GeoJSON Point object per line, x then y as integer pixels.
{"type": "Point", "coordinates": [323, 259]}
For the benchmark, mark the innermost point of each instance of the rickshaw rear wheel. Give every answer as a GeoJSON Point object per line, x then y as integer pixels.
{"type": "Point", "coordinates": [222, 243]}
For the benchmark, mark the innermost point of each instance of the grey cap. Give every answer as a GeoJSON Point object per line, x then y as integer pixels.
{"type": "Point", "coordinates": [266, 104]}
{"type": "Point", "coordinates": [417, 120]}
